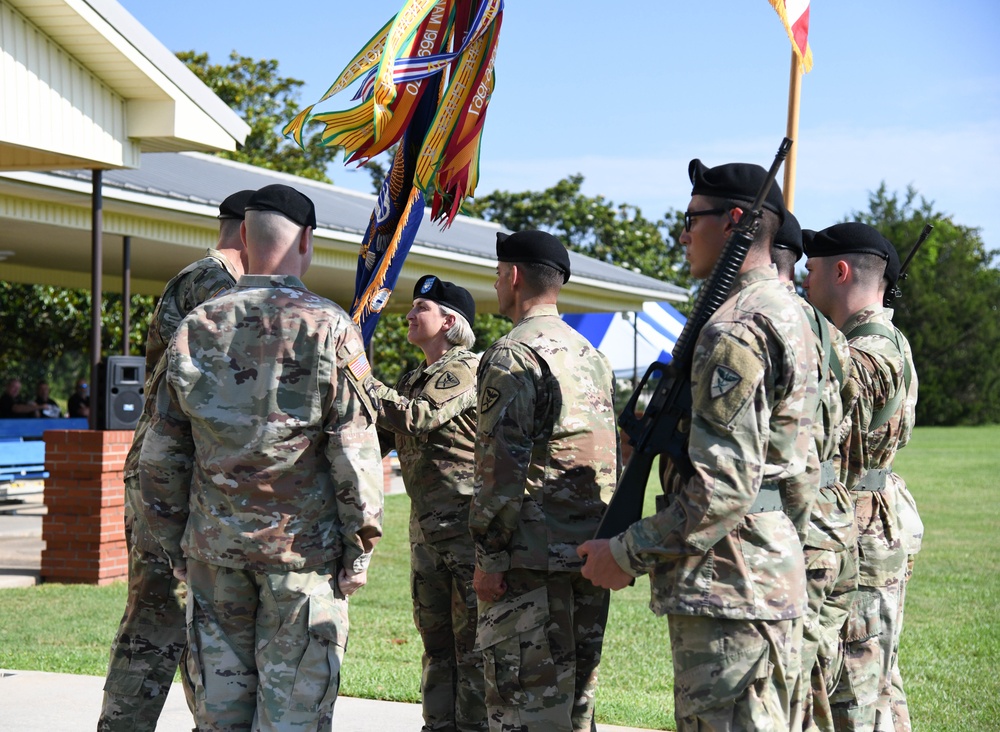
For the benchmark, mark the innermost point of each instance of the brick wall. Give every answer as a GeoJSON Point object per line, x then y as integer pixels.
{"type": "Point", "coordinates": [85, 497]}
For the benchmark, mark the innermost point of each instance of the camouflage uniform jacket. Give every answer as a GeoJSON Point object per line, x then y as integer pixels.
{"type": "Point", "coordinates": [831, 523]}
{"type": "Point", "coordinates": [709, 551]}
{"type": "Point", "coordinates": [430, 418]}
{"type": "Point", "coordinates": [878, 367]}
{"type": "Point", "coordinates": [546, 448]}
{"type": "Point", "coordinates": [262, 453]}
{"type": "Point", "coordinates": [193, 285]}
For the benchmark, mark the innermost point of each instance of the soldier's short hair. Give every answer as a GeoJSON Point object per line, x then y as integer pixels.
{"type": "Point", "coordinates": [460, 334]}
{"type": "Point", "coordinates": [541, 277]}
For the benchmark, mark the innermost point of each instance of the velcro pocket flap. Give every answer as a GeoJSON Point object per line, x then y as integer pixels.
{"type": "Point", "coordinates": [863, 622]}
{"type": "Point", "coordinates": [328, 619]}
{"type": "Point", "coordinates": [511, 617]}
{"type": "Point", "coordinates": [720, 682]}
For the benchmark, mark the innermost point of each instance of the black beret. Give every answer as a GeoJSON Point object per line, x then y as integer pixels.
{"type": "Point", "coordinates": [285, 200]}
{"type": "Point", "coordinates": [538, 247]}
{"type": "Point", "coordinates": [735, 182]}
{"type": "Point", "coordinates": [234, 206]}
{"type": "Point", "coordinates": [449, 294]}
{"type": "Point", "coordinates": [789, 236]}
{"type": "Point", "coordinates": [853, 238]}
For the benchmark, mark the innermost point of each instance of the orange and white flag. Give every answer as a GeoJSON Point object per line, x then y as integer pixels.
{"type": "Point", "coordinates": [795, 15]}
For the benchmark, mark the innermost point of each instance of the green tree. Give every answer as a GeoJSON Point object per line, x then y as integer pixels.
{"type": "Point", "coordinates": [948, 309]}
{"type": "Point", "coordinates": [266, 101]}
{"type": "Point", "coordinates": [595, 226]}
{"type": "Point", "coordinates": [45, 333]}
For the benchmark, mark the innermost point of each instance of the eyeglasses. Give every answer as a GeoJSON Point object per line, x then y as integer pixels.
{"type": "Point", "coordinates": [689, 215]}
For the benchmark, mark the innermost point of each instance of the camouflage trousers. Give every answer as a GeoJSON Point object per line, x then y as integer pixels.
{"type": "Point", "coordinates": [541, 647]}
{"type": "Point", "coordinates": [444, 611]}
{"type": "Point", "coordinates": [147, 647]}
{"type": "Point", "coordinates": [893, 713]}
{"type": "Point", "coordinates": [831, 584]}
{"type": "Point", "coordinates": [734, 674]}
{"type": "Point", "coordinates": [265, 649]}
{"type": "Point", "coordinates": [866, 644]}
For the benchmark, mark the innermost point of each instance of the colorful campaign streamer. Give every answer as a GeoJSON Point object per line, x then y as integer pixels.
{"type": "Point", "coordinates": [451, 40]}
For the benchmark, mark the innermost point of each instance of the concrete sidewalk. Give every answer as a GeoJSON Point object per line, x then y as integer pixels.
{"type": "Point", "coordinates": [34, 701]}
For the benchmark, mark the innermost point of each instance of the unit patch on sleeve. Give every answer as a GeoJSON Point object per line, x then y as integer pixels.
{"type": "Point", "coordinates": [723, 380]}
{"type": "Point", "coordinates": [447, 380]}
{"type": "Point", "coordinates": [490, 397]}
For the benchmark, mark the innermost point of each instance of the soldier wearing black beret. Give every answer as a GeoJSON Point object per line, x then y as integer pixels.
{"type": "Point", "coordinates": [745, 484]}
{"type": "Point", "coordinates": [429, 417]}
{"type": "Point", "coordinates": [234, 205]}
{"type": "Point", "coordinates": [287, 201]}
{"type": "Point", "coordinates": [850, 266]}
{"type": "Point", "coordinates": [534, 247]}
{"type": "Point", "coordinates": [138, 680]}
{"type": "Point", "coordinates": [829, 542]}
{"type": "Point", "coordinates": [546, 461]}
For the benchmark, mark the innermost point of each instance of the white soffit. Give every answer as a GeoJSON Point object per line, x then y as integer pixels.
{"type": "Point", "coordinates": [86, 85]}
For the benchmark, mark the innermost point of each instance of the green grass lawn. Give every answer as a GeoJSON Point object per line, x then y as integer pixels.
{"type": "Point", "coordinates": [950, 650]}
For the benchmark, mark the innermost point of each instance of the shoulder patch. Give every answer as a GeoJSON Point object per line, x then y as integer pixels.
{"type": "Point", "coordinates": [359, 366]}
{"type": "Point", "coordinates": [447, 380]}
{"type": "Point", "coordinates": [490, 398]}
{"type": "Point", "coordinates": [723, 381]}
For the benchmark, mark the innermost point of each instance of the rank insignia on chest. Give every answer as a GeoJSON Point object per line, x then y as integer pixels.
{"type": "Point", "coordinates": [359, 367]}
{"type": "Point", "coordinates": [723, 380]}
{"type": "Point", "coordinates": [490, 397]}
{"type": "Point", "coordinates": [447, 380]}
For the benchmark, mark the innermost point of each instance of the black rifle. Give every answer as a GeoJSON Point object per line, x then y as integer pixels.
{"type": "Point", "coordinates": [894, 292]}
{"type": "Point", "coordinates": [656, 430]}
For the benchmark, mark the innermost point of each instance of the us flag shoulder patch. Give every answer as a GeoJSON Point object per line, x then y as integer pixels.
{"type": "Point", "coordinates": [359, 367]}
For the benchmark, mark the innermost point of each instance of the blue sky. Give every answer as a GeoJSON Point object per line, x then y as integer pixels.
{"type": "Point", "coordinates": [626, 93]}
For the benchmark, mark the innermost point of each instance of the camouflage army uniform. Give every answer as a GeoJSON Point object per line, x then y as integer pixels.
{"type": "Point", "coordinates": [150, 638]}
{"type": "Point", "coordinates": [260, 471]}
{"type": "Point", "coordinates": [725, 560]}
{"type": "Point", "coordinates": [430, 418]}
{"type": "Point", "coordinates": [893, 713]}
{"type": "Point", "coordinates": [877, 378]}
{"type": "Point", "coordinates": [546, 463]}
{"type": "Point", "coordinates": [830, 544]}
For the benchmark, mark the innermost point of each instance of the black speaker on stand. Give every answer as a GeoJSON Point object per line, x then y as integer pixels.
{"type": "Point", "coordinates": [123, 379]}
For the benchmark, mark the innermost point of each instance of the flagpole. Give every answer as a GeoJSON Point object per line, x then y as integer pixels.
{"type": "Point", "coordinates": [792, 131]}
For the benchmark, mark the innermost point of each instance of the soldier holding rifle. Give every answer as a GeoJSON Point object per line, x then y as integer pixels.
{"type": "Point", "coordinates": [725, 561]}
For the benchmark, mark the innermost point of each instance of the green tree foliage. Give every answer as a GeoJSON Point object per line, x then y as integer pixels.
{"type": "Point", "coordinates": [266, 101]}
{"type": "Point", "coordinates": [45, 333]}
{"type": "Point", "coordinates": [593, 225]}
{"type": "Point", "coordinates": [948, 310]}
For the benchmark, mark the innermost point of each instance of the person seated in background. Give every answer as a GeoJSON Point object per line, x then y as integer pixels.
{"type": "Point", "coordinates": [45, 405]}
{"type": "Point", "coordinates": [79, 402]}
{"type": "Point", "coordinates": [12, 404]}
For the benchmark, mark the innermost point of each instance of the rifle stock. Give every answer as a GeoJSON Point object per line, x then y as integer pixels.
{"type": "Point", "coordinates": [656, 430]}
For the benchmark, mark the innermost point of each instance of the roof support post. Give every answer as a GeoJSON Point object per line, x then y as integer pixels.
{"type": "Point", "coordinates": [126, 293]}
{"type": "Point", "coordinates": [96, 296]}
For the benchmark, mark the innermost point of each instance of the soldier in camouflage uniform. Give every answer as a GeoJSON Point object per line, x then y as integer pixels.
{"type": "Point", "coordinates": [830, 541]}
{"type": "Point", "coordinates": [546, 463]}
{"type": "Point", "coordinates": [725, 561]}
{"type": "Point", "coordinates": [850, 267]}
{"type": "Point", "coordinates": [150, 638]}
{"type": "Point", "coordinates": [430, 419]}
{"type": "Point", "coordinates": [261, 479]}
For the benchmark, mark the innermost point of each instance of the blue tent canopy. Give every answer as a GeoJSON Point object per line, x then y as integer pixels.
{"type": "Point", "coordinates": [631, 341]}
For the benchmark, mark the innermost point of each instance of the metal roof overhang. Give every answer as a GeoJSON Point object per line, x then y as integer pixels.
{"type": "Point", "coordinates": [168, 207]}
